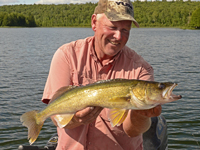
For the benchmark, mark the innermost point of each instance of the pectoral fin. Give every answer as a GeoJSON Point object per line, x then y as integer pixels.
{"type": "Point", "coordinates": [117, 116]}
{"type": "Point", "coordinates": [63, 120]}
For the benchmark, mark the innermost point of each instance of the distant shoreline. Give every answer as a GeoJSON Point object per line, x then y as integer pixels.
{"type": "Point", "coordinates": [158, 14]}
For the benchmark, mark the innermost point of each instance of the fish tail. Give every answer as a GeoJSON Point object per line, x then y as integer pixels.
{"type": "Point", "coordinates": [32, 122]}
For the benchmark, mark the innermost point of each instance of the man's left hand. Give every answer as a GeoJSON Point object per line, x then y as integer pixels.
{"type": "Point", "coordinates": [153, 112]}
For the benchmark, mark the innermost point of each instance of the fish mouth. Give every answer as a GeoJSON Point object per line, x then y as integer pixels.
{"type": "Point", "coordinates": [167, 94]}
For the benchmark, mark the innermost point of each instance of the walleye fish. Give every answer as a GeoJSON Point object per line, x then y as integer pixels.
{"type": "Point", "coordinates": [119, 95]}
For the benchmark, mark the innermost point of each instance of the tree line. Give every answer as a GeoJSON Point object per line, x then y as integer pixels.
{"type": "Point", "coordinates": [195, 20]}
{"type": "Point", "coordinates": [17, 19]}
{"type": "Point", "coordinates": [148, 14]}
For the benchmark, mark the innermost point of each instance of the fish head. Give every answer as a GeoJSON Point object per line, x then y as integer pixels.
{"type": "Point", "coordinates": [162, 92]}
{"type": "Point", "coordinates": [154, 93]}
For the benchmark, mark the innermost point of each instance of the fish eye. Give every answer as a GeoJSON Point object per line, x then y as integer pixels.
{"type": "Point", "coordinates": [161, 86]}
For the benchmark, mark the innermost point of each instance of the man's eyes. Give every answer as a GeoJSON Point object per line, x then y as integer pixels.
{"type": "Point", "coordinates": [113, 28]}
{"type": "Point", "coordinates": [123, 30]}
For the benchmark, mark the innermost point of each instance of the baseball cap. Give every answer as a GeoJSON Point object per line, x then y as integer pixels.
{"type": "Point", "coordinates": [116, 10]}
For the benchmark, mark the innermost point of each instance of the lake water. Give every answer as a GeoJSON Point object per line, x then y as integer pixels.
{"type": "Point", "coordinates": [26, 53]}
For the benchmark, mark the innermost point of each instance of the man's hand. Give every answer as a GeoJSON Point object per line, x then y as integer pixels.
{"type": "Point", "coordinates": [153, 112]}
{"type": "Point", "coordinates": [87, 115]}
{"type": "Point", "coordinates": [139, 121]}
{"type": "Point", "coordinates": [84, 116]}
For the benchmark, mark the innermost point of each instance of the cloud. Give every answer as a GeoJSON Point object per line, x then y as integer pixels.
{"type": "Point", "coordinates": [64, 1]}
{"type": "Point", "coordinates": [6, 2]}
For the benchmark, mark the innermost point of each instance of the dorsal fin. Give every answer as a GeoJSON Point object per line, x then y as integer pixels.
{"type": "Point", "coordinates": [62, 90]}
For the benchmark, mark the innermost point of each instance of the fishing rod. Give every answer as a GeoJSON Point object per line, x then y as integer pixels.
{"type": "Point", "coordinates": [22, 147]}
{"type": "Point", "coordinates": [51, 145]}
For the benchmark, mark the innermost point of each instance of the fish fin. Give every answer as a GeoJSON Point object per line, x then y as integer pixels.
{"type": "Point", "coordinates": [60, 91]}
{"type": "Point", "coordinates": [34, 125]}
{"type": "Point", "coordinates": [117, 116]}
{"type": "Point", "coordinates": [63, 120]}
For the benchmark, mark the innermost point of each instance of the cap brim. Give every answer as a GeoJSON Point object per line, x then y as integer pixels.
{"type": "Point", "coordinates": [136, 23]}
{"type": "Point", "coordinates": [119, 17]}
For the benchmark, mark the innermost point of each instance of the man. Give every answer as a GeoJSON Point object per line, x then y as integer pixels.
{"type": "Point", "coordinates": [103, 56]}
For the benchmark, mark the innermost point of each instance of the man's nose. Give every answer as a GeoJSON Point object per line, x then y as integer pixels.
{"type": "Point", "coordinates": [118, 35]}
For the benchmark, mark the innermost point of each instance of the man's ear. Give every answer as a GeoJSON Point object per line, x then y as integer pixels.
{"type": "Point", "coordinates": [93, 22]}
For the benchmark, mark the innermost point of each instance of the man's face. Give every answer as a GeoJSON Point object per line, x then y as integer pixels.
{"type": "Point", "coordinates": [110, 36]}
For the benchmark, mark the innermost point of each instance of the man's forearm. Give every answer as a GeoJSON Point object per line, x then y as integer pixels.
{"type": "Point", "coordinates": [136, 124]}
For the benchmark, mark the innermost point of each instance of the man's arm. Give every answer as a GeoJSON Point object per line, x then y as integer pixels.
{"type": "Point", "coordinates": [139, 121]}
{"type": "Point", "coordinates": [59, 76]}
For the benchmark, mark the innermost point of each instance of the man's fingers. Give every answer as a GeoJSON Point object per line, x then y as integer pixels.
{"type": "Point", "coordinates": [96, 111]}
{"type": "Point", "coordinates": [84, 112]}
{"type": "Point", "coordinates": [88, 115]}
{"type": "Point", "coordinates": [157, 110]}
{"type": "Point", "coordinates": [153, 112]}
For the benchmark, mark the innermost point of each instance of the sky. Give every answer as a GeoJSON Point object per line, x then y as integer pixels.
{"type": "Point", "coordinates": [27, 2]}
{"type": "Point", "coordinates": [17, 2]}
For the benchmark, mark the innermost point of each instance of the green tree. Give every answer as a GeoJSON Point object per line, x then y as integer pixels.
{"type": "Point", "coordinates": [1, 18]}
{"type": "Point", "coordinates": [195, 19]}
{"type": "Point", "coordinates": [6, 20]}
{"type": "Point", "coordinates": [30, 21]}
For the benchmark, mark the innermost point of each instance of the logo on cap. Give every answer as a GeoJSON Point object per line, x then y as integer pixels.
{"type": "Point", "coordinates": [124, 4]}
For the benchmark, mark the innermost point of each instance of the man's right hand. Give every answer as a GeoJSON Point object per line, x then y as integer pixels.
{"type": "Point", "coordinates": [87, 115]}
{"type": "Point", "coordinates": [84, 116]}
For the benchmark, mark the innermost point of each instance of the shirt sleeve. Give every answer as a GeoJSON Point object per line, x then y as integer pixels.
{"type": "Point", "coordinates": [147, 73]}
{"type": "Point", "coordinates": [59, 75]}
